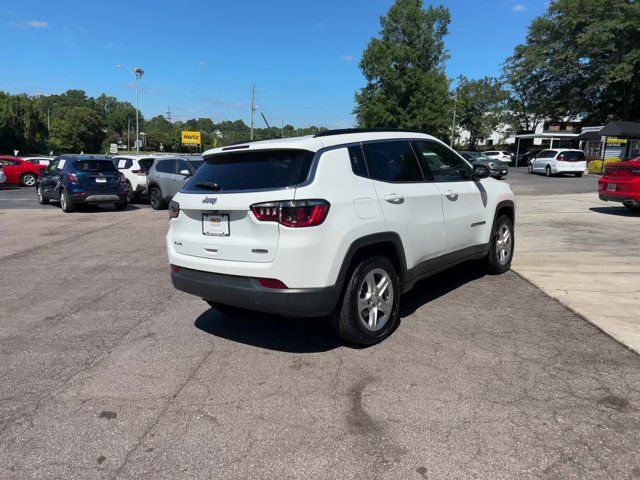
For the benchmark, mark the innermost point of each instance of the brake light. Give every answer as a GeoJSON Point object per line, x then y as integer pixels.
{"type": "Point", "coordinates": [272, 283]}
{"type": "Point", "coordinates": [72, 177]}
{"type": "Point", "coordinates": [174, 209]}
{"type": "Point", "coordinates": [175, 268]}
{"type": "Point", "coordinates": [293, 213]}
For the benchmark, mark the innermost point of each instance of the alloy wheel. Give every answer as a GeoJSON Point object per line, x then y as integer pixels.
{"type": "Point", "coordinates": [375, 300]}
{"type": "Point", "coordinates": [504, 244]}
{"type": "Point", "coordinates": [29, 180]}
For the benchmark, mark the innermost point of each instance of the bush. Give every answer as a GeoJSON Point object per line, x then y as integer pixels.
{"type": "Point", "coordinates": [595, 166]}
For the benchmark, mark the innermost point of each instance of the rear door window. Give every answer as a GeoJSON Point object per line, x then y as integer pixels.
{"type": "Point", "coordinates": [392, 162]}
{"type": "Point", "coordinates": [165, 166]}
{"type": "Point", "coordinates": [145, 163]}
{"type": "Point", "coordinates": [252, 170]}
{"type": "Point", "coordinates": [94, 166]}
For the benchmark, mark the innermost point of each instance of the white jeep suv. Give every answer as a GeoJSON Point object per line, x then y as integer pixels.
{"type": "Point", "coordinates": [338, 224]}
{"type": "Point", "coordinates": [135, 169]}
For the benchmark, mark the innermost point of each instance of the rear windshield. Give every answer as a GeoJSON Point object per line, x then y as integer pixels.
{"type": "Point", "coordinates": [94, 166]}
{"type": "Point", "coordinates": [252, 170]}
{"type": "Point", "coordinates": [570, 155]}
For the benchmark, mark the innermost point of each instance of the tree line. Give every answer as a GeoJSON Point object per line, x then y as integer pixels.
{"type": "Point", "coordinates": [580, 59]}
{"type": "Point", "coordinates": [73, 122]}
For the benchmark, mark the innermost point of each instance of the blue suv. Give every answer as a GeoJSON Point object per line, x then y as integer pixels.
{"type": "Point", "coordinates": [85, 179]}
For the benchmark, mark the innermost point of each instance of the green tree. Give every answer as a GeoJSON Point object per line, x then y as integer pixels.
{"type": "Point", "coordinates": [21, 125]}
{"type": "Point", "coordinates": [406, 83]}
{"type": "Point", "coordinates": [480, 107]}
{"type": "Point", "coordinates": [79, 130]}
{"type": "Point", "coordinates": [582, 58]}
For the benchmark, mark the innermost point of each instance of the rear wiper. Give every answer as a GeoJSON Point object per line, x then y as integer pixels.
{"type": "Point", "coordinates": [209, 186]}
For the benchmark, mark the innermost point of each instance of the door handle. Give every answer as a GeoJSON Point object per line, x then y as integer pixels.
{"type": "Point", "coordinates": [451, 195]}
{"type": "Point", "coordinates": [394, 198]}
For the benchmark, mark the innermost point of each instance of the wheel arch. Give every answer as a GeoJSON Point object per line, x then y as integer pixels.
{"type": "Point", "coordinates": [387, 244]}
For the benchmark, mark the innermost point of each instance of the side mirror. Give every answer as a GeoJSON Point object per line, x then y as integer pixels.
{"type": "Point", "coordinates": [185, 172]}
{"type": "Point", "coordinates": [480, 171]}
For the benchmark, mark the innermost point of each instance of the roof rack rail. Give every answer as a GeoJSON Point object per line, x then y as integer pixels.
{"type": "Point", "coordinates": [344, 131]}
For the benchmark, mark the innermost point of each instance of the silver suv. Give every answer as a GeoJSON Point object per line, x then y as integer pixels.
{"type": "Point", "coordinates": [166, 177]}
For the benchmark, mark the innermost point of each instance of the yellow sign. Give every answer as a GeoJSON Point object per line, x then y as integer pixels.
{"type": "Point", "coordinates": [191, 138]}
{"type": "Point", "coordinates": [618, 141]}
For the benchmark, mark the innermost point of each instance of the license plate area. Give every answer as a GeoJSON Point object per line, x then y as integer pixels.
{"type": "Point", "coordinates": [215, 224]}
{"type": "Point", "coordinates": [611, 187]}
{"type": "Point", "coordinates": [101, 180]}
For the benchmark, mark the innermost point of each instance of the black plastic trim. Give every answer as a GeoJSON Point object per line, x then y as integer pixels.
{"type": "Point", "coordinates": [246, 292]}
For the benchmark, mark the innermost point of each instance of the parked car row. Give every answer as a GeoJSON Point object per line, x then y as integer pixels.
{"type": "Point", "coordinates": [18, 171]}
{"type": "Point", "coordinates": [73, 180]}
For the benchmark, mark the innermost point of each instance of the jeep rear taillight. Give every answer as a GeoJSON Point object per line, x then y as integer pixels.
{"type": "Point", "coordinates": [292, 213]}
{"type": "Point", "coordinates": [174, 209]}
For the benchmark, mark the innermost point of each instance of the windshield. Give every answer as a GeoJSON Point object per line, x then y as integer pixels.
{"type": "Point", "coordinates": [251, 170]}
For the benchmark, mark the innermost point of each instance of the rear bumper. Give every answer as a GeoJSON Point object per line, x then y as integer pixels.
{"type": "Point", "coordinates": [98, 197]}
{"type": "Point", "coordinates": [246, 292]}
{"type": "Point", "coordinates": [631, 200]}
{"type": "Point", "coordinates": [500, 172]}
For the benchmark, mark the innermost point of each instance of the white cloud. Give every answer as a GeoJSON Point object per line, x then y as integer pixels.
{"type": "Point", "coordinates": [347, 58]}
{"type": "Point", "coordinates": [519, 8]}
{"type": "Point", "coordinates": [36, 24]}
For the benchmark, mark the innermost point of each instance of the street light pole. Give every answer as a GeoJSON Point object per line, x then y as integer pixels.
{"type": "Point", "coordinates": [137, 73]}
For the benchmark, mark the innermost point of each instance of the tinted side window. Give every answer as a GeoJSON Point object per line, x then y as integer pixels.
{"type": "Point", "coordinates": [358, 164]}
{"type": "Point", "coordinates": [546, 154]}
{"type": "Point", "coordinates": [443, 164]}
{"type": "Point", "coordinates": [165, 166]}
{"type": "Point", "coordinates": [123, 163]}
{"type": "Point", "coordinates": [181, 165]}
{"type": "Point", "coordinates": [392, 162]}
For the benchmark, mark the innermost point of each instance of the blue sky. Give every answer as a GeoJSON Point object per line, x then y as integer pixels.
{"type": "Point", "coordinates": [201, 57]}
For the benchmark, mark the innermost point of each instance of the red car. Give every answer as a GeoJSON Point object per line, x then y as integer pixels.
{"type": "Point", "coordinates": [20, 171]}
{"type": "Point", "coordinates": [621, 183]}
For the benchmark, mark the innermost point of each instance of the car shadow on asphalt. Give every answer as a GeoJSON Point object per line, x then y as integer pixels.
{"type": "Point", "coordinates": [293, 335]}
{"type": "Point", "coordinates": [439, 285]}
{"type": "Point", "coordinates": [313, 335]}
{"type": "Point", "coordinates": [618, 211]}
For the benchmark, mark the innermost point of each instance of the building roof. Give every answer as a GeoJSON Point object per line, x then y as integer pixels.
{"type": "Point", "coordinates": [315, 143]}
{"type": "Point", "coordinates": [621, 129]}
{"type": "Point", "coordinates": [590, 136]}
{"type": "Point", "coordinates": [557, 135]}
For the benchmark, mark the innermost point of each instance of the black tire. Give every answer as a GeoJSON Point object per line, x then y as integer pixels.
{"type": "Point", "coordinates": [347, 318]}
{"type": "Point", "coordinates": [42, 200]}
{"type": "Point", "coordinates": [130, 194]}
{"type": "Point", "coordinates": [530, 168]}
{"type": "Point", "coordinates": [121, 205]}
{"type": "Point", "coordinates": [28, 180]}
{"type": "Point", "coordinates": [547, 171]}
{"type": "Point", "coordinates": [496, 263]}
{"type": "Point", "coordinates": [634, 208]}
{"type": "Point", "coordinates": [579, 174]}
{"type": "Point", "coordinates": [155, 199]}
{"type": "Point", "coordinates": [65, 203]}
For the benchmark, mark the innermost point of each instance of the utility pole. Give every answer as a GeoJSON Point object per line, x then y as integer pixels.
{"type": "Point", "coordinates": [128, 134]}
{"type": "Point", "coordinates": [137, 72]}
{"type": "Point", "coordinates": [453, 125]}
{"type": "Point", "coordinates": [253, 107]}
{"type": "Point", "coordinates": [168, 112]}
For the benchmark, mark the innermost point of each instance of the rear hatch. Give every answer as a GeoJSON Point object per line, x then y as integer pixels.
{"type": "Point", "coordinates": [97, 175]}
{"type": "Point", "coordinates": [215, 219]}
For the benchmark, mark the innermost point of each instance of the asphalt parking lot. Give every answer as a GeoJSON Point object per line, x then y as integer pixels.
{"type": "Point", "coordinates": [108, 372]}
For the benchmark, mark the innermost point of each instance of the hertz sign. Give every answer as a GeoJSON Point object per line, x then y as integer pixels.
{"type": "Point", "coordinates": [191, 138]}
